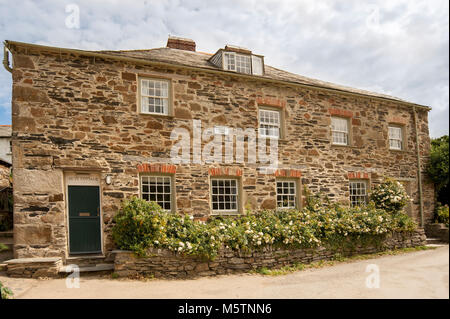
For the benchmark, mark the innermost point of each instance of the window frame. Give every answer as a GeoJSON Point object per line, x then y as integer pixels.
{"type": "Point", "coordinates": [226, 64]}
{"type": "Point", "coordinates": [297, 186]}
{"type": "Point", "coordinates": [402, 137]}
{"type": "Point", "coordinates": [366, 195]}
{"type": "Point", "coordinates": [348, 130]}
{"type": "Point", "coordinates": [253, 61]}
{"type": "Point", "coordinates": [281, 128]}
{"type": "Point", "coordinates": [172, 189]}
{"type": "Point", "coordinates": [225, 212]}
{"type": "Point", "coordinates": [169, 97]}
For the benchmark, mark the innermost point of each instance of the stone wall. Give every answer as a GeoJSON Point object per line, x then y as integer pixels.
{"type": "Point", "coordinates": [438, 231]}
{"type": "Point", "coordinates": [33, 267]}
{"type": "Point", "coordinates": [73, 112]}
{"type": "Point", "coordinates": [164, 263]}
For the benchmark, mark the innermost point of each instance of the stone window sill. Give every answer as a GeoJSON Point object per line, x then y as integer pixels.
{"type": "Point", "coordinates": [158, 115]}
{"type": "Point", "coordinates": [399, 151]}
{"type": "Point", "coordinates": [343, 146]}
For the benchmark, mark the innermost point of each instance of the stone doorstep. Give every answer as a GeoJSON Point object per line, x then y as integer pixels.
{"type": "Point", "coordinates": [98, 267]}
{"type": "Point", "coordinates": [85, 260]}
{"type": "Point", "coordinates": [85, 257]}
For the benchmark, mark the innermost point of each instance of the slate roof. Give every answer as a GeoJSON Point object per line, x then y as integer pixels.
{"type": "Point", "coordinates": [200, 60]}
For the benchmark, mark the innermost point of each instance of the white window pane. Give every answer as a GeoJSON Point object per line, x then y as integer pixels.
{"type": "Point", "coordinates": [157, 189]}
{"type": "Point", "coordinates": [395, 138]}
{"type": "Point", "coordinates": [154, 96]}
{"type": "Point", "coordinates": [339, 130]}
{"type": "Point", "coordinates": [224, 195]}
{"type": "Point", "coordinates": [257, 66]}
{"type": "Point", "coordinates": [229, 61]}
{"type": "Point", "coordinates": [286, 194]}
{"type": "Point", "coordinates": [358, 193]}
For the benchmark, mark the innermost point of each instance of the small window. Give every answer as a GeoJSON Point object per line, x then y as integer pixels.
{"type": "Point", "coordinates": [358, 193]}
{"type": "Point", "coordinates": [237, 62]}
{"type": "Point", "coordinates": [224, 195]}
{"type": "Point", "coordinates": [157, 189]}
{"type": "Point", "coordinates": [395, 138]}
{"type": "Point", "coordinates": [286, 194]}
{"type": "Point", "coordinates": [339, 130]}
{"type": "Point", "coordinates": [257, 65]}
{"type": "Point", "coordinates": [229, 62]}
{"type": "Point", "coordinates": [154, 96]}
{"type": "Point", "coordinates": [243, 64]}
{"type": "Point", "coordinates": [269, 123]}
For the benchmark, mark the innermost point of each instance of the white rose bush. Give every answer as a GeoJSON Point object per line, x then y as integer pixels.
{"type": "Point", "coordinates": [140, 225]}
{"type": "Point", "coordinates": [390, 196]}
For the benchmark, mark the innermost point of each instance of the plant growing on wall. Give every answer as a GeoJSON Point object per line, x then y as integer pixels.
{"type": "Point", "coordinates": [442, 214]}
{"type": "Point", "coordinates": [390, 196]}
{"type": "Point", "coordinates": [140, 225]}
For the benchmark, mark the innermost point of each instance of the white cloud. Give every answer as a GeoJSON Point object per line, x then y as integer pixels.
{"type": "Point", "coordinates": [394, 47]}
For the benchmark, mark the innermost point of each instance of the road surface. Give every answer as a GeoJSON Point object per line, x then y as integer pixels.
{"type": "Point", "coordinates": [422, 274]}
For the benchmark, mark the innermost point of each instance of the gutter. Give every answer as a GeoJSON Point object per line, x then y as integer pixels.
{"type": "Point", "coordinates": [419, 165]}
{"type": "Point", "coordinates": [8, 44]}
{"type": "Point", "coordinates": [6, 59]}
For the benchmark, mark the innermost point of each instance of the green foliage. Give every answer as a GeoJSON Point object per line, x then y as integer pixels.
{"type": "Point", "coordinates": [140, 225]}
{"type": "Point", "coordinates": [3, 247]}
{"type": "Point", "coordinates": [438, 166]}
{"type": "Point", "coordinates": [137, 224]}
{"type": "Point", "coordinates": [390, 196]}
{"type": "Point", "coordinates": [442, 213]}
{"type": "Point", "coordinates": [5, 292]}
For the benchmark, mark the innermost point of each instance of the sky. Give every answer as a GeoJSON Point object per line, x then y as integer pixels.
{"type": "Point", "coordinates": [396, 47]}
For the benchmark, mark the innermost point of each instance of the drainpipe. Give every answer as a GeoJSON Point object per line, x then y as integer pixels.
{"type": "Point", "coordinates": [6, 60]}
{"type": "Point", "coordinates": [419, 173]}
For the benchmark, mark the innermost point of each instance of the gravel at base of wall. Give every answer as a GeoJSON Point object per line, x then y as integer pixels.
{"type": "Point", "coordinates": [162, 263]}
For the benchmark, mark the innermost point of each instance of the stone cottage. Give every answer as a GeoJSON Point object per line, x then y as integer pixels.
{"type": "Point", "coordinates": [92, 128]}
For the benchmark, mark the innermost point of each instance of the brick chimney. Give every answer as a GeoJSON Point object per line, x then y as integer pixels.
{"type": "Point", "coordinates": [181, 43]}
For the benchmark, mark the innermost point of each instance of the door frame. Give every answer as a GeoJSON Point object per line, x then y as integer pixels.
{"type": "Point", "coordinates": [82, 179]}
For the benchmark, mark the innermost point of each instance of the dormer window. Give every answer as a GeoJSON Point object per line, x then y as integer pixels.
{"type": "Point", "coordinates": [239, 60]}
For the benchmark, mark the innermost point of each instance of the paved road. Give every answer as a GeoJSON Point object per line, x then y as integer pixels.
{"type": "Point", "coordinates": [423, 274]}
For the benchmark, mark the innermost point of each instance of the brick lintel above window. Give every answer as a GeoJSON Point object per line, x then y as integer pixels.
{"type": "Point", "coordinates": [225, 171]}
{"type": "Point", "coordinates": [358, 175]}
{"type": "Point", "coordinates": [156, 168]}
{"type": "Point", "coordinates": [340, 112]}
{"type": "Point", "coordinates": [271, 101]}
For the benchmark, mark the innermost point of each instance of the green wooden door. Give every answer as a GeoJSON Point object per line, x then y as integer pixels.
{"type": "Point", "coordinates": [84, 219]}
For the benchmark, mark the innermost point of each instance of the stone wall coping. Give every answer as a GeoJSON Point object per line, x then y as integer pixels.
{"type": "Point", "coordinates": [118, 251]}
{"type": "Point", "coordinates": [33, 260]}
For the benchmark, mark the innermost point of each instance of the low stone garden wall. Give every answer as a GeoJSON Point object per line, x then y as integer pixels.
{"type": "Point", "coordinates": [33, 267]}
{"type": "Point", "coordinates": [164, 263]}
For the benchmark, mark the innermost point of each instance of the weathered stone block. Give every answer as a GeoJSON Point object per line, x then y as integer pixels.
{"type": "Point", "coordinates": [30, 181]}
{"type": "Point", "coordinates": [33, 234]}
